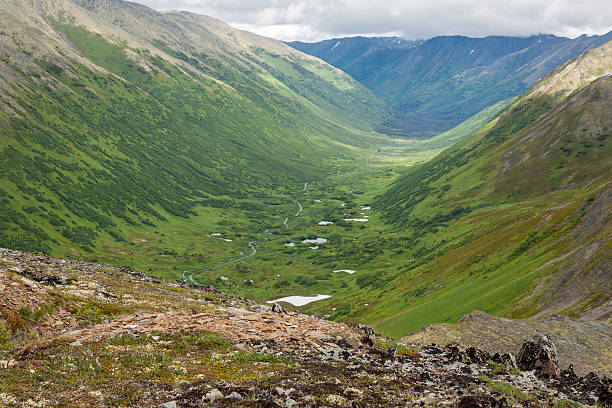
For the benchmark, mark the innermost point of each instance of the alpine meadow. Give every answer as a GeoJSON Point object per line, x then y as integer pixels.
{"type": "Point", "coordinates": [196, 215]}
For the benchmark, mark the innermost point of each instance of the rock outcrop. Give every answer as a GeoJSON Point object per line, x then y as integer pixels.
{"type": "Point", "coordinates": [114, 337]}
{"type": "Point", "coordinates": [582, 343]}
{"type": "Point", "coordinates": [539, 355]}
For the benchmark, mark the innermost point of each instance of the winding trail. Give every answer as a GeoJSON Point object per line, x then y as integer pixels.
{"type": "Point", "coordinates": [300, 210]}
{"type": "Point", "coordinates": [253, 245]}
{"type": "Point", "coordinates": [254, 248]}
{"type": "Point", "coordinates": [189, 278]}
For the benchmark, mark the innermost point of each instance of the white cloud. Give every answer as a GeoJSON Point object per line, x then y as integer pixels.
{"type": "Point", "coordinates": [312, 20]}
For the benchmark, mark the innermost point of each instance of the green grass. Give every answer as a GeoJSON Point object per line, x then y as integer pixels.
{"type": "Point", "coordinates": [86, 173]}
{"type": "Point", "coordinates": [567, 404]}
{"type": "Point", "coordinates": [209, 341]}
{"type": "Point", "coordinates": [141, 171]}
{"type": "Point", "coordinates": [497, 368]}
{"type": "Point", "coordinates": [507, 390]}
{"type": "Point", "coordinates": [482, 237]}
{"type": "Point", "coordinates": [253, 357]}
{"type": "Point", "coordinates": [436, 93]}
{"type": "Point", "coordinates": [5, 339]}
{"type": "Point", "coordinates": [400, 349]}
{"type": "Point", "coordinates": [123, 371]}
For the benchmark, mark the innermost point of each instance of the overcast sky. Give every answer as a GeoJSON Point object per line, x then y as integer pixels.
{"type": "Point", "coordinates": [313, 20]}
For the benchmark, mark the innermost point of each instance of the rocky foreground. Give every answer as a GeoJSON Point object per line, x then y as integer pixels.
{"type": "Point", "coordinates": [585, 344]}
{"type": "Point", "coordinates": [74, 334]}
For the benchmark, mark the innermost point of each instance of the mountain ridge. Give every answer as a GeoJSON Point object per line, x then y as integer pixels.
{"type": "Point", "coordinates": [439, 82]}
{"type": "Point", "coordinates": [106, 93]}
{"type": "Point", "coordinates": [535, 186]}
{"type": "Point", "coordinates": [177, 145]}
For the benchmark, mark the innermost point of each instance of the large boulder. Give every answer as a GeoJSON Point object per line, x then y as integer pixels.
{"type": "Point", "coordinates": [539, 355]}
{"type": "Point", "coordinates": [276, 308]}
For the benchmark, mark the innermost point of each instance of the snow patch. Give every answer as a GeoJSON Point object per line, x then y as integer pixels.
{"type": "Point", "coordinates": [325, 223]}
{"type": "Point", "coordinates": [300, 300]}
{"type": "Point", "coordinates": [349, 271]}
{"type": "Point", "coordinates": [356, 219]}
{"type": "Point", "coordinates": [315, 241]}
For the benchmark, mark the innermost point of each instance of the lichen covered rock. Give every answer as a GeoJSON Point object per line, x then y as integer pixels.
{"type": "Point", "coordinates": [540, 355]}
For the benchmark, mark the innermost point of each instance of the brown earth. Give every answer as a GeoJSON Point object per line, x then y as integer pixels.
{"type": "Point", "coordinates": [89, 335]}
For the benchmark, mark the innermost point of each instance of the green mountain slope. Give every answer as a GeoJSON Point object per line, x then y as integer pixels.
{"type": "Point", "coordinates": [438, 83]}
{"type": "Point", "coordinates": [515, 219]}
{"type": "Point", "coordinates": [114, 116]}
{"type": "Point", "coordinates": [177, 145]}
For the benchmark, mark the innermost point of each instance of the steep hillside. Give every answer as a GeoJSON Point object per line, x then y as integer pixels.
{"type": "Point", "coordinates": [93, 335]}
{"type": "Point", "coordinates": [440, 82]}
{"type": "Point", "coordinates": [583, 343]}
{"type": "Point", "coordinates": [514, 220]}
{"type": "Point", "coordinates": [115, 117]}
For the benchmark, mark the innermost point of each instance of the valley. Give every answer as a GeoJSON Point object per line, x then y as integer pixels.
{"type": "Point", "coordinates": [437, 83]}
{"type": "Point", "coordinates": [194, 215]}
{"type": "Point", "coordinates": [282, 249]}
{"type": "Point", "coordinates": [178, 146]}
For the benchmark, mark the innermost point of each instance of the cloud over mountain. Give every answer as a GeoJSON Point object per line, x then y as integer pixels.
{"type": "Point", "coordinates": [317, 19]}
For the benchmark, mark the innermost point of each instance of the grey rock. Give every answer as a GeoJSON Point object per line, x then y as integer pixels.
{"type": "Point", "coordinates": [353, 342]}
{"type": "Point", "coordinates": [276, 308]}
{"type": "Point", "coordinates": [539, 355]}
{"type": "Point", "coordinates": [283, 391]}
{"type": "Point", "coordinates": [391, 353]}
{"type": "Point", "coordinates": [234, 395]}
{"type": "Point", "coordinates": [169, 404]}
{"type": "Point", "coordinates": [290, 403]}
{"type": "Point", "coordinates": [212, 395]}
{"type": "Point", "coordinates": [510, 360]}
{"type": "Point", "coordinates": [366, 330]}
{"type": "Point", "coordinates": [335, 353]}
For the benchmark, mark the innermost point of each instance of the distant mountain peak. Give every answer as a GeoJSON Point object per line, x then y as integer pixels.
{"type": "Point", "coordinates": [439, 82]}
